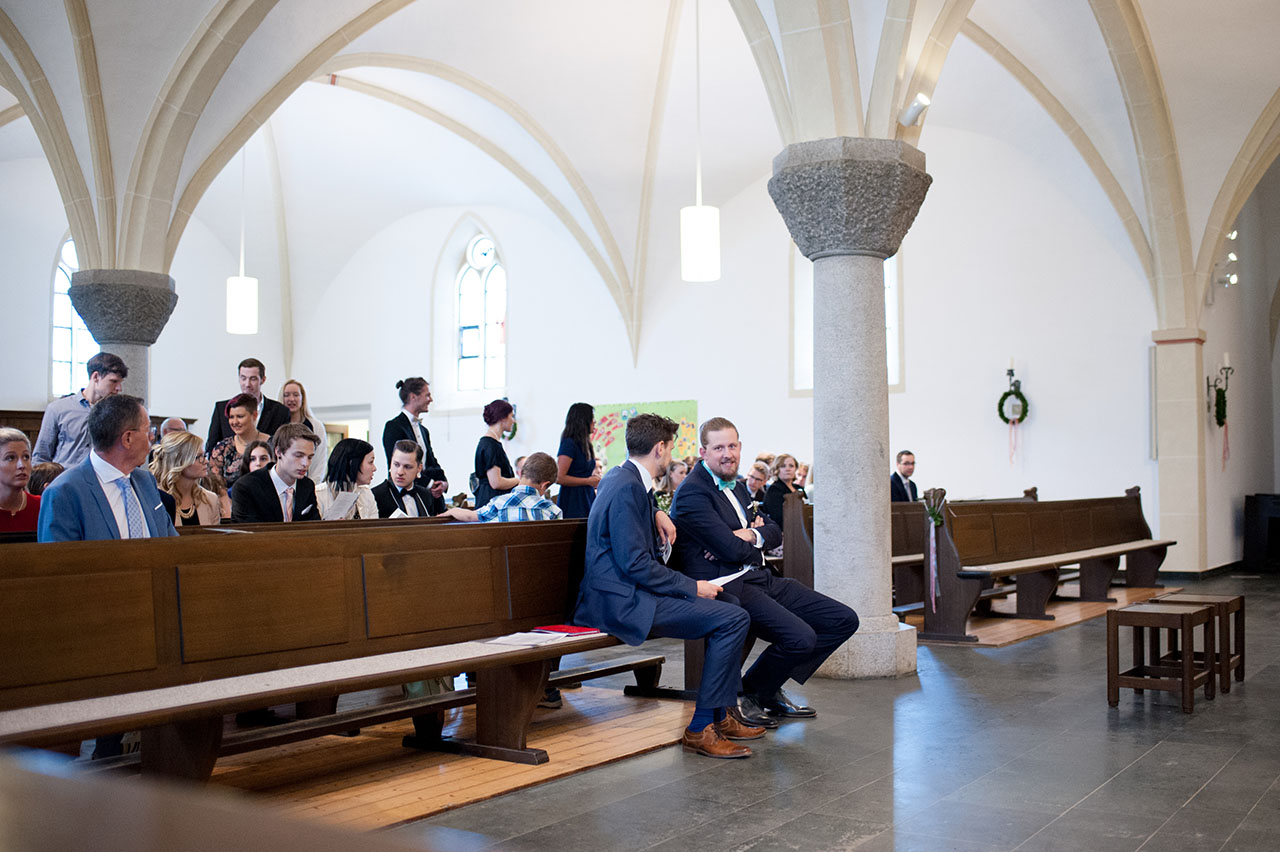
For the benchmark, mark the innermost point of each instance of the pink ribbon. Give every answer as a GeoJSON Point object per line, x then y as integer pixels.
{"type": "Point", "coordinates": [1013, 440]}
{"type": "Point", "coordinates": [1226, 443]}
{"type": "Point", "coordinates": [933, 565]}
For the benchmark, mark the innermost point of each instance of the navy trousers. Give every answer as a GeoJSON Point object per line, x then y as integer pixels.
{"type": "Point", "coordinates": [802, 626]}
{"type": "Point", "coordinates": [725, 627]}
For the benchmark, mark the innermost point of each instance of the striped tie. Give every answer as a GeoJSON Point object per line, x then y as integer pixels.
{"type": "Point", "coordinates": [132, 509]}
{"type": "Point", "coordinates": [288, 504]}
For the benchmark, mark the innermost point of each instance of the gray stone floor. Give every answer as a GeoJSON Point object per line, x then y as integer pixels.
{"type": "Point", "coordinates": [988, 749]}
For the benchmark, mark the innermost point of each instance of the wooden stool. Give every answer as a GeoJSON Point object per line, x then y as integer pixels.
{"type": "Point", "coordinates": [1181, 620]}
{"type": "Point", "coordinates": [1229, 657]}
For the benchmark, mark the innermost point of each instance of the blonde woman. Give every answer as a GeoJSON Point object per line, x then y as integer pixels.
{"type": "Point", "coordinates": [294, 397]}
{"type": "Point", "coordinates": [178, 467]}
{"type": "Point", "coordinates": [784, 471]}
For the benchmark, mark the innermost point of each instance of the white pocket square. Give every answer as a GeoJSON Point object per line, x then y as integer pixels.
{"type": "Point", "coordinates": [308, 509]}
{"type": "Point", "coordinates": [156, 506]}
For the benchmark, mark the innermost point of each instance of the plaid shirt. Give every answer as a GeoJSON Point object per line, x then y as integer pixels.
{"type": "Point", "coordinates": [522, 503]}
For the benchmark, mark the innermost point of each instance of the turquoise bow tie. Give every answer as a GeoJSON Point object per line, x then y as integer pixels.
{"type": "Point", "coordinates": [722, 484]}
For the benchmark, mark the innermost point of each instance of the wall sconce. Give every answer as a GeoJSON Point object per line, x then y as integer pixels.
{"type": "Point", "coordinates": [1212, 386]}
{"type": "Point", "coordinates": [911, 113]}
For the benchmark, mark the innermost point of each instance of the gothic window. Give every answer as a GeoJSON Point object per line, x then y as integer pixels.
{"type": "Point", "coordinates": [482, 318]}
{"type": "Point", "coordinates": [72, 344]}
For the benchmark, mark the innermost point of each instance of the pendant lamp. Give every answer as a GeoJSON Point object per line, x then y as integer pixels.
{"type": "Point", "coordinates": [242, 291]}
{"type": "Point", "coordinates": [699, 224]}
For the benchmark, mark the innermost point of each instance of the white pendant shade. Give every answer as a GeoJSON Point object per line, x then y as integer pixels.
{"type": "Point", "coordinates": [700, 243]}
{"type": "Point", "coordinates": [242, 305]}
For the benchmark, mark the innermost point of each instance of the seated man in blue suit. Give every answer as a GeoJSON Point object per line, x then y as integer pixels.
{"type": "Point", "coordinates": [627, 591]}
{"type": "Point", "coordinates": [108, 495]}
{"type": "Point", "coordinates": [720, 534]}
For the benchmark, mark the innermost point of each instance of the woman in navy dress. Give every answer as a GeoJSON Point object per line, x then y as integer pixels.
{"type": "Point", "coordinates": [576, 460]}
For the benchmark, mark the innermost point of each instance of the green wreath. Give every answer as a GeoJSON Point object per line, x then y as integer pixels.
{"type": "Point", "coordinates": [1220, 406]}
{"type": "Point", "coordinates": [1021, 398]}
{"type": "Point", "coordinates": [514, 426]}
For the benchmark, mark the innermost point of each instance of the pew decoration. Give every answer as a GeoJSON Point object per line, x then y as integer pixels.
{"type": "Point", "coordinates": [1013, 409]}
{"type": "Point", "coordinates": [933, 500]}
{"type": "Point", "coordinates": [1216, 402]}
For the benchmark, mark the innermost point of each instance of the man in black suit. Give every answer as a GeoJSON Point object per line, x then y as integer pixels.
{"type": "Point", "coordinates": [415, 395]}
{"type": "Point", "coordinates": [401, 490]}
{"type": "Point", "coordinates": [901, 488]}
{"type": "Point", "coordinates": [719, 534]}
{"type": "Point", "coordinates": [271, 414]}
{"type": "Point", "coordinates": [281, 491]}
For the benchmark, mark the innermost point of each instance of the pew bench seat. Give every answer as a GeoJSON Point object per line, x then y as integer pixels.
{"type": "Point", "coordinates": [182, 725]}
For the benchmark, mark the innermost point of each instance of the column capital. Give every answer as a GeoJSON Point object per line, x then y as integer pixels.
{"type": "Point", "coordinates": [1178, 335]}
{"type": "Point", "coordinates": [849, 196]}
{"type": "Point", "coordinates": [123, 305]}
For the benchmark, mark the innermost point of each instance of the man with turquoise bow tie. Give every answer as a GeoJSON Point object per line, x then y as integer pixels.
{"type": "Point", "coordinates": [718, 534]}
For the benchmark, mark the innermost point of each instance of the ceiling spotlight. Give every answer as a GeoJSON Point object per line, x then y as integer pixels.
{"type": "Point", "coordinates": [1229, 280]}
{"type": "Point", "coordinates": [1232, 235]}
{"type": "Point", "coordinates": [911, 113]}
{"type": "Point", "coordinates": [1231, 257]}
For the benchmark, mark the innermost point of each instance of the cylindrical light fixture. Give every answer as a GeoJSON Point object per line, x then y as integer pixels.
{"type": "Point", "coordinates": [911, 113]}
{"type": "Point", "coordinates": [242, 291]}
{"type": "Point", "coordinates": [700, 243]}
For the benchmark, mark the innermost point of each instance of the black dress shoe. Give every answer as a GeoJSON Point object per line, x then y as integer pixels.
{"type": "Point", "coordinates": [782, 705]}
{"type": "Point", "coordinates": [750, 713]}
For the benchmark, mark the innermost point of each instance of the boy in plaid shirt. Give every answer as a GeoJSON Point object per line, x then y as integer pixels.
{"type": "Point", "coordinates": [526, 502]}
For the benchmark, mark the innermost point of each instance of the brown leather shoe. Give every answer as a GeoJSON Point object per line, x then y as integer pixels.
{"type": "Point", "coordinates": [731, 729]}
{"type": "Point", "coordinates": [709, 742]}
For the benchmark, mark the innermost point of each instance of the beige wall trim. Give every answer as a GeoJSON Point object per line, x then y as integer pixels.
{"type": "Point", "coordinates": [765, 51]}
{"type": "Point", "coordinates": [222, 153]}
{"type": "Point", "coordinates": [924, 79]}
{"type": "Point", "coordinates": [617, 289]}
{"type": "Point", "coordinates": [282, 245]}
{"type": "Point", "coordinates": [1129, 45]}
{"type": "Point", "coordinates": [1079, 138]}
{"type": "Point", "coordinates": [153, 175]}
{"type": "Point", "coordinates": [890, 68]}
{"type": "Point", "coordinates": [41, 106]}
{"type": "Point", "coordinates": [1178, 335]}
{"type": "Point", "coordinates": [96, 120]}
{"type": "Point", "coordinates": [1257, 153]}
{"type": "Point", "coordinates": [13, 113]}
{"type": "Point", "coordinates": [662, 88]}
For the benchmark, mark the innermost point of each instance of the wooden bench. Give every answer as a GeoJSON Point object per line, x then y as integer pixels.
{"type": "Point", "coordinates": [169, 635]}
{"type": "Point", "coordinates": [1030, 542]}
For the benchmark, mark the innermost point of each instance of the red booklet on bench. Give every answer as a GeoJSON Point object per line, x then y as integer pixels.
{"type": "Point", "coordinates": [566, 629]}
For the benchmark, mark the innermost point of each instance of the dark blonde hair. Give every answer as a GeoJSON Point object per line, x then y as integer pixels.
{"type": "Point", "coordinates": [173, 454]}
{"type": "Point", "coordinates": [778, 461]}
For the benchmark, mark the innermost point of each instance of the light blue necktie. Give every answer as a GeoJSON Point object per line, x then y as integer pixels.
{"type": "Point", "coordinates": [132, 509]}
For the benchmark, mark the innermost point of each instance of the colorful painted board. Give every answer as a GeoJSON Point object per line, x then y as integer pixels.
{"type": "Point", "coordinates": [609, 438]}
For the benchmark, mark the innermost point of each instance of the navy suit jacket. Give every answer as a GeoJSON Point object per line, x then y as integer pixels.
{"type": "Point", "coordinates": [624, 577]}
{"type": "Point", "coordinates": [898, 494]}
{"type": "Point", "coordinates": [706, 547]}
{"type": "Point", "coordinates": [254, 499]}
{"type": "Point", "coordinates": [75, 508]}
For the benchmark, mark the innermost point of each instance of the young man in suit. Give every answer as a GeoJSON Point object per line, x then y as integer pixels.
{"type": "Point", "coordinates": [109, 495]}
{"type": "Point", "coordinates": [627, 591]}
{"type": "Point", "coordinates": [720, 534]}
{"type": "Point", "coordinates": [271, 414]}
{"type": "Point", "coordinates": [901, 488]}
{"type": "Point", "coordinates": [401, 490]}
{"type": "Point", "coordinates": [281, 491]}
{"type": "Point", "coordinates": [415, 396]}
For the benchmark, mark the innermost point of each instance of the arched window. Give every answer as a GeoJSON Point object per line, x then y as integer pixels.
{"type": "Point", "coordinates": [72, 344]}
{"type": "Point", "coordinates": [482, 317]}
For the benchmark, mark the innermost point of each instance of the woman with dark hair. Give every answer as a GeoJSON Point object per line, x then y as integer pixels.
{"type": "Point", "coordinates": [576, 460]}
{"type": "Point", "coordinates": [493, 473]}
{"type": "Point", "coordinates": [415, 397]}
{"type": "Point", "coordinates": [784, 482]}
{"type": "Point", "coordinates": [42, 476]}
{"type": "Point", "coordinates": [257, 455]}
{"type": "Point", "coordinates": [351, 469]}
{"type": "Point", "coordinates": [224, 458]}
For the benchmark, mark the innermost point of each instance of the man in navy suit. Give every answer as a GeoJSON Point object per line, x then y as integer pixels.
{"type": "Point", "coordinates": [108, 495]}
{"type": "Point", "coordinates": [281, 491]}
{"type": "Point", "coordinates": [901, 488]}
{"type": "Point", "coordinates": [720, 534]}
{"type": "Point", "coordinates": [626, 590]}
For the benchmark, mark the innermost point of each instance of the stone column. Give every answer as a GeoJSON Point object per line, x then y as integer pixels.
{"type": "Point", "coordinates": [125, 310]}
{"type": "Point", "coordinates": [848, 203]}
{"type": "Point", "coordinates": [1181, 421]}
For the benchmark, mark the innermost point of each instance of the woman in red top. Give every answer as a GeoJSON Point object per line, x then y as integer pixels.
{"type": "Point", "coordinates": [19, 511]}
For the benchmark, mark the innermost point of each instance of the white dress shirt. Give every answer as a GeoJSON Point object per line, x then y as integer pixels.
{"type": "Point", "coordinates": [645, 476]}
{"type": "Point", "coordinates": [107, 476]}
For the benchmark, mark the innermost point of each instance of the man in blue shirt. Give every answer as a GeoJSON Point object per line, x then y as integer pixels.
{"type": "Point", "coordinates": [63, 437]}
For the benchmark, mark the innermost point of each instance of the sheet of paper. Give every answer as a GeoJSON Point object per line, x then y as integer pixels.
{"type": "Point", "coordinates": [342, 502]}
{"type": "Point", "coordinates": [522, 639]}
{"type": "Point", "coordinates": [398, 513]}
{"type": "Point", "coordinates": [729, 578]}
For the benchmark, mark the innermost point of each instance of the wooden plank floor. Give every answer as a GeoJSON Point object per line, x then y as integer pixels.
{"type": "Point", "coordinates": [998, 632]}
{"type": "Point", "coordinates": [371, 781]}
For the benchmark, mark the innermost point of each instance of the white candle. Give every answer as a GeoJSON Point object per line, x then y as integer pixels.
{"type": "Point", "coordinates": [1010, 362]}
{"type": "Point", "coordinates": [1226, 359]}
